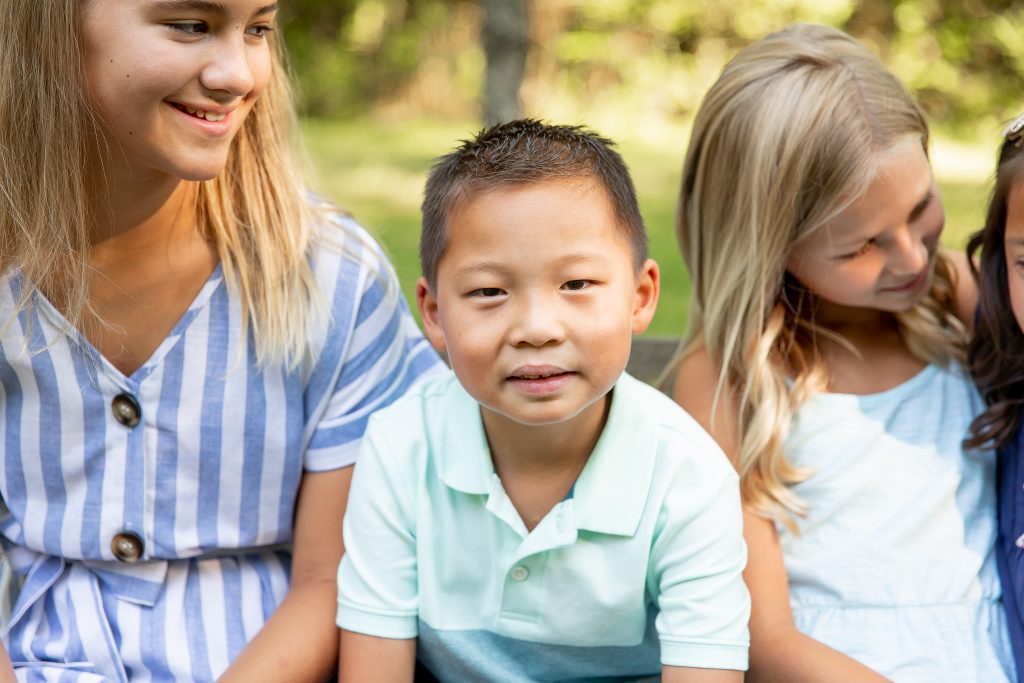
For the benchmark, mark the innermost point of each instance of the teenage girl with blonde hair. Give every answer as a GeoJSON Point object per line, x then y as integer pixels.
{"type": "Point", "coordinates": [190, 352]}
{"type": "Point", "coordinates": [827, 330]}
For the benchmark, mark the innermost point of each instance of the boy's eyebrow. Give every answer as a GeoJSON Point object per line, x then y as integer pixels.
{"type": "Point", "coordinates": [210, 6]}
{"type": "Point", "coordinates": [500, 269]}
{"type": "Point", "coordinates": [483, 267]}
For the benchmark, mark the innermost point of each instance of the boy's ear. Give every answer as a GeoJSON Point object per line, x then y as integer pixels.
{"type": "Point", "coordinates": [426, 302]}
{"type": "Point", "coordinates": [645, 298]}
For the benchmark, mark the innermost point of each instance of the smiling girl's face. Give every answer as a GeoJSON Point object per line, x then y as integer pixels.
{"type": "Point", "coordinates": [1014, 245]}
{"type": "Point", "coordinates": [171, 81]}
{"type": "Point", "coordinates": [879, 252]}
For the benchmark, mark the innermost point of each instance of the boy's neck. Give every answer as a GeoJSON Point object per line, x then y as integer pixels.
{"type": "Point", "coordinates": [539, 464]}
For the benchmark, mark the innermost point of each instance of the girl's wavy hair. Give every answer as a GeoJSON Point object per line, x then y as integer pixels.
{"type": "Point", "coordinates": [793, 131]}
{"type": "Point", "coordinates": [255, 211]}
{"type": "Point", "coordinates": [996, 352]}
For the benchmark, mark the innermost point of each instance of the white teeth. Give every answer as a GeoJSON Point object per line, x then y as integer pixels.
{"type": "Point", "coordinates": [199, 113]}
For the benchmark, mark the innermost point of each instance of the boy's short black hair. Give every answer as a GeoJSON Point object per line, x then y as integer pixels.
{"type": "Point", "coordinates": [518, 153]}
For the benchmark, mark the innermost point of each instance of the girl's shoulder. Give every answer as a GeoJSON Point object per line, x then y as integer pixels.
{"type": "Point", "coordinates": [696, 390]}
{"type": "Point", "coordinates": [336, 234]}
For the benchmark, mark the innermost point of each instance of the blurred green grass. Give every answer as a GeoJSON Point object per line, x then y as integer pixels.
{"type": "Point", "coordinates": [376, 170]}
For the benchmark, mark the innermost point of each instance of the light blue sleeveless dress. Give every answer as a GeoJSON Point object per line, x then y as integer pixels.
{"type": "Point", "coordinates": [895, 563]}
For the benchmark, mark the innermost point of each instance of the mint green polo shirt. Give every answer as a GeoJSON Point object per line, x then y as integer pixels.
{"type": "Point", "coordinates": [641, 565]}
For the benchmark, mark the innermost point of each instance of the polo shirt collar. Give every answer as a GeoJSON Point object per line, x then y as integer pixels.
{"type": "Point", "coordinates": [611, 492]}
{"type": "Point", "coordinates": [463, 458]}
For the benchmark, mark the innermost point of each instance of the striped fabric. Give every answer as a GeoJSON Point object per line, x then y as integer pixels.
{"type": "Point", "coordinates": [207, 479]}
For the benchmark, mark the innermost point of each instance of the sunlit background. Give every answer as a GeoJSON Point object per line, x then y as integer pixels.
{"type": "Point", "coordinates": [387, 85]}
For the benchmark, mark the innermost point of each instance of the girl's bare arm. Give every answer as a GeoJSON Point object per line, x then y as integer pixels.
{"type": "Point", "coordinates": [299, 642]}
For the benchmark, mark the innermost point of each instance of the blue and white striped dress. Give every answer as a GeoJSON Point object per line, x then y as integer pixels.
{"type": "Point", "coordinates": [206, 480]}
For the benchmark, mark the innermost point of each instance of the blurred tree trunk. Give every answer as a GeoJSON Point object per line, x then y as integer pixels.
{"type": "Point", "coordinates": [505, 37]}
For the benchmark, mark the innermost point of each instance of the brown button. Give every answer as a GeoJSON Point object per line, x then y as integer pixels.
{"type": "Point", "coordinates": [126, 409]}
{"type": "Point", "coordinates": [127, 546]}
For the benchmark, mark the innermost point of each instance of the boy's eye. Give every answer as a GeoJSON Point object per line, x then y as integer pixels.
{"type": "Point", "coordinates": [487, 292]}
{"type": "Point", "coordinates": [189, 28]}
{"type": "Point", "coordinates": [577, 285]}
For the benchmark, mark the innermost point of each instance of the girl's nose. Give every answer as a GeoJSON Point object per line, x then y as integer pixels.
{"type": "Point", "coordinates": [909, 254]}
{"type": "Point", "coordinates": [229, 69]}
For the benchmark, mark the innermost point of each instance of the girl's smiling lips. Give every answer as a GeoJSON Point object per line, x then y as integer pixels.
{"type": "Point", "coordinates": [912, 286]}
{"type": "Point", "coordinates": [540, 380]}
{"type": "Point", "coordinates": [210, 118]}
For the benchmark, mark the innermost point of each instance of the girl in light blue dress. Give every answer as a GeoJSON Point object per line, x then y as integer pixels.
{"type": "Point", "coordinates": [828, 329]}
{"type": "Point", "coordinates": [190, 351]}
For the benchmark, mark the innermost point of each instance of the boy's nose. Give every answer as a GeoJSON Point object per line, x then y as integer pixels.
{"type": "Point", "coordinates": [538, 323]}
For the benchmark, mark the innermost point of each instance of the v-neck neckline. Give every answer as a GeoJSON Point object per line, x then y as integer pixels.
{"type": "Point", "coordinates": [199, 302]}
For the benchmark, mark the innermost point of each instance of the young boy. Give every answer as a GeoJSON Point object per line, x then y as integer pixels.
{"type": "Point", "coordinates": [540, 516]}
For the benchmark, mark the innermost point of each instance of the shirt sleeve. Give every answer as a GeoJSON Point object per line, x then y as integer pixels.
{"type": "Point", "coordinates": [697, 572]}
{"type": "Point", "coordinates": [377, 579]}
{"type": "Point", "coordinates": [373, 353]}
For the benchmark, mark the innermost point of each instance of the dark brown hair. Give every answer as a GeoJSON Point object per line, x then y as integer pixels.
{"type": "Point", "coordinates": [996, 353]}
{"type": "Point", "coordinates": [518, 153]}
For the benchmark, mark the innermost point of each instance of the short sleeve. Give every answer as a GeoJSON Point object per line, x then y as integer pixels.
{"type": "Point", "coordinates": [697, 572]}
{"type": "Point", "coordinates": [373, 353]}
{"type": "Point", "coordinates": [377, 579]}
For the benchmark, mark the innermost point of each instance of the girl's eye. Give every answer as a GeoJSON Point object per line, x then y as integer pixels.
{"type": "Point", "coordinates": [577, 285]}
{"type": "Point", "coordinates": [865, 248]}
{"type": "Point", "coordinates": [259, 31]}
{"type": "Point", "coordinates": [189, 28]}
{"type": "Point", "coordinates": [487, 292]}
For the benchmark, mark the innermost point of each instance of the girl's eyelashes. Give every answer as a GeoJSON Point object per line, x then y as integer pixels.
{"type": "Point", "coordinates": [189, 28]}
{"type": "Point", "coordinates": [865, 248]}
{"type": "Point", "coordinates": [194, 29]}
{"type": "Point", "coordinates": [259, 31]}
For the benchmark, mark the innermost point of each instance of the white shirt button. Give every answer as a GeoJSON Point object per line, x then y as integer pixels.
{"type": "Point", "coordinates": [520, 573]}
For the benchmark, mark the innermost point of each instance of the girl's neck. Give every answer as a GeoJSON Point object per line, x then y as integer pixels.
{"type": "Point", "coordinates": [844, 319]}
{"type": "Point", "coordinates": [869, 354]}
{"type": "Point", "coordinates": [136, 202]}
{"type": "Point", "coordinates": [134, 224]}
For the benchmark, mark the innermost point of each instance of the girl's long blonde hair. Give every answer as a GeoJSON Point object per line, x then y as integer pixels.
{"type": "Point", "coordinates": [255, 211]}
{"type": "Point", "coordinates": [790, 134]}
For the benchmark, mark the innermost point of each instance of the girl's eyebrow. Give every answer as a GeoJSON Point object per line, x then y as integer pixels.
{"type": "Point", "coordinates": [210, 6]}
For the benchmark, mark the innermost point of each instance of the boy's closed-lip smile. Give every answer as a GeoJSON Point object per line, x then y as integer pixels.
{"type": "Point", "coordinates": [540, 380]}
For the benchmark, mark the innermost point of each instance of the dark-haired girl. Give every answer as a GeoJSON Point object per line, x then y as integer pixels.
{"type": "Point", "coordinates": [996, 359]}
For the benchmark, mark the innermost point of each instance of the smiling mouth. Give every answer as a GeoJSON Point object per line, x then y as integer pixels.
{"type": "Point", "coordinates": [199, 113]}
{"type": "Point", "coordinates": [913, 285]}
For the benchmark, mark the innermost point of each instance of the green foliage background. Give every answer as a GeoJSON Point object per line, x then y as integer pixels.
{"type": "Point", "coordinates": [963, 58]}
{"type": "Point", "coordinates": [386, 85]}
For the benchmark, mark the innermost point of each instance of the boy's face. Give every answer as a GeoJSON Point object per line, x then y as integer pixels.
{"type": "Point", "coordinates": [536, 300]}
